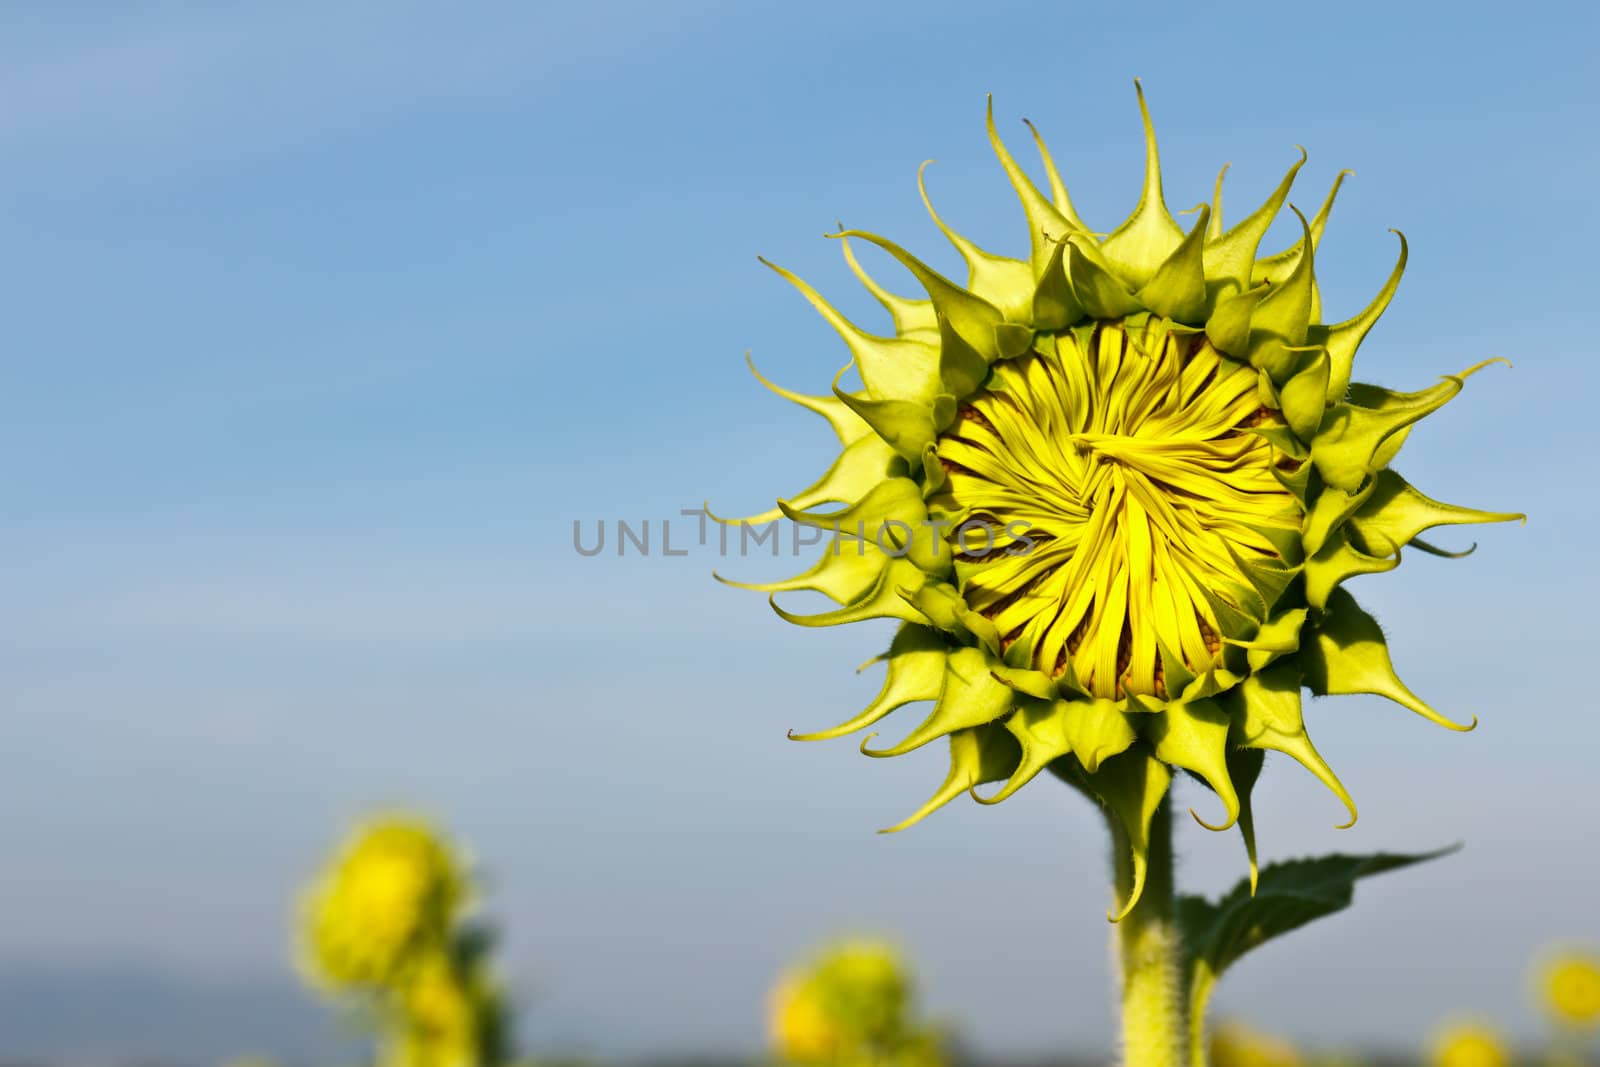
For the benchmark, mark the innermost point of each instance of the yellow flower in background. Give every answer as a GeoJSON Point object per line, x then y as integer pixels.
{"type": "Point", "coordinates": [851, 1004]}
{"type": "Point", "coordinates": [388, 897]}
{"type": "Point", "coordinates": [1468, 1045]}
{"type": "Point", "coordinates": [1234, 1044]}
{"type": "Point", "coordinates": [865, 985]}
{"type": "Point", "coordinates": [1570, 988]}
{"type": "Point", "coordinates": [799, 1025]}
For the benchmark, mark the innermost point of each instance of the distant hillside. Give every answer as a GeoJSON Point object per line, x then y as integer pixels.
{"type": "Point", "coordinates": [90, 1015]}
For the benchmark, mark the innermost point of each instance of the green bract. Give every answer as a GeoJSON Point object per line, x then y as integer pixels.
{"type": "Point", "coordinates": [1112, 491]}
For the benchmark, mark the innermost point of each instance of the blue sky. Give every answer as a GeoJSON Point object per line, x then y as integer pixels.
{"type": "Point", "coordinates": [324, 322]}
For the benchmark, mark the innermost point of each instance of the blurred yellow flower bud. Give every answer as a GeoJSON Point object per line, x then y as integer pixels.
{"type": "Point", "coordinates": [1570, 988]}
{"type": "Point", "coordinates": [1468, 1045]}
{"type": "Point", "coordinates": [799, 1025]}
{"type": "Point", "coordinates": [389, 896]}
{"type": "Point", "coordinates": [850, 1005]}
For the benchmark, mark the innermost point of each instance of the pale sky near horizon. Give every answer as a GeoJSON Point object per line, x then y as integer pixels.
{"type": "Point", "coordinates": [324, 322]}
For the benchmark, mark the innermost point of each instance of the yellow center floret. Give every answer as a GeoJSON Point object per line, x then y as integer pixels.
{"type": "Point", "coordinates": [1121, 487]}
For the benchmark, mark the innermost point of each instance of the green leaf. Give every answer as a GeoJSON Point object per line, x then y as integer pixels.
{"type": "Point", "coordinates": [1288, 896]}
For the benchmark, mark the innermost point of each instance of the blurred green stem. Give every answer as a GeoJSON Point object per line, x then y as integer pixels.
{"type": "Point", "coordinates": [1150, 952]}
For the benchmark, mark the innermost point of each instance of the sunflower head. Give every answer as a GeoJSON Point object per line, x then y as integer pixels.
{"type": "Point", "coordinates": [1569, 987]}
{"type": "Point", "coordinates": [798, 1022]}
{"type": "Point", "coordinates": [1111, 490]}
{"type": "Point", "coordinates": [852, 1002]}
{"type": "Point", "coordinates": [1468, 1044]}
{"type": "Point", "coordinates": [386, 901]}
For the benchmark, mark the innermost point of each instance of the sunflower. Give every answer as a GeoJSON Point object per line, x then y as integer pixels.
{"type": "Point", "coordinates": [851, 1004]}
{"type": "Point", "coordinates": [1570, 988]}
{"type": "Point", "coordinates": [387, 900]}
{"type": "Point", "coordinates": [1469, 1044]}
{"type": "Point", "coordinates": [1111, 492]}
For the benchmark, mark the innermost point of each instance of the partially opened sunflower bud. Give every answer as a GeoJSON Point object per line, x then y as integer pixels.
{"type": "Point", "coordinates": [1569, 986]}
{"type": "Point", "coordinates": [1112, 492]}
{"type": "Point", "coordinates": [1468, 1044]}
{"type": "Point", "coordinates": [385, 902]}
{"type": "Point", "coordinates": [851, 1004]}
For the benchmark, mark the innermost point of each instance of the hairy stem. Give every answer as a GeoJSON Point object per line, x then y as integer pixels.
{"type": "Point", "coordinates": [1150, 953]}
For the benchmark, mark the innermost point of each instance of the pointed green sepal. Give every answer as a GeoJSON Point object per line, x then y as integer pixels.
{"type": "Point", "coordinates": [846, 425]}
{"type": "Point", "coordinates": [1046, 223]}
{"type": "Point", "coordinates": [863, 464]}
{"type": "Point", "coordinates": [891, 367]}
{"type": "Point", "coordinates": [1194, 735]}
{"type": "Point", "coordinates": [1349, 655]}
{"type": "Point", "coordinates": [1268, 579]}
{"type": "Point", "coordinates": [946, 610]}
{"type": "Point", "coordinates": [1007, 283]}
{"type": "Point", "coordinates": [1039, 728]}
{"type": "Point", "coordinates": [1054, 305]}
{"type": "Point", "coordinates": [1342, 339]}
{"type": "Point", "coordinates": [1279, 322]}
{"type": "Point", "coordinates": [1091, 730]}
{"type": "Point", "coordinates": [1275, 265]}
{"type": "Point", "coordinates": [1351, 443]}
{"type": "Point", "coordinates": [970, 697]}
{"type": "Point", "coordinates": [1096, 730]}
{"type": "Point", "coordinates": [1058, 188]}
{"type": "Point", "coordinates": [1027, 681]}
{"type": "Point", "coordinates": [1394, 513]}
{"type": "Point", "coordinates": [1012, 340]}
{"type": "Point", "coordinates": [1139, 247]}
{"type": "Point", "coordinates": [916, 668]}
{"type": "Point", "coordinates": [1229, 324]}
{"type": "Point", "coordinates": [934, 475]}
{"type": "Point", "coordinates": [1175, 673]}
{"type": "Point", "coordinates": [904, 425]}
{"type": "Point", "coordinates": [977, 755]}
{"type": "Point", "coordinates": [847, 571]}
{"type": "Point", "coordinates": [1331, 510]}
{"type": "Point", "coordinates": [885, 600]}
{"type": "Point", "coordinates": [1098, 291]}
{"type": "Point", "coordinates": [1244, 767]}
{"type": "Point", "coordinates": [911, 317]}
{"type": "Point", "coordinates": [1267, 715]}
{"type": "Point", "coordinates": [1304, 398]}
{"type": "Point", "coordinates": [1178, 287]}
{"type": "Point", "coordinates": [961, 367]}
{"type": "Point", "coordinates": [1278, 636]}
{"type": "Point", "coordinates": [1336, 561]}
{"type": "Point", "coordinates": [1231, 256]}
{"type": "Point", "coordinates": [972, 316]}
{"type": "Point", "coordinates": [1131, 787]}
